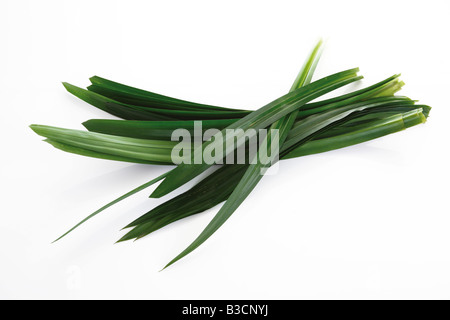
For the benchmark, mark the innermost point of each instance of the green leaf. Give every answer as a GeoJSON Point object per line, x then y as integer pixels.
{"type": "Point", "coordinates": [128, 194]}
{"type": "Point", "coordinates": [94, 154]}
{"type": "Point", "coordinates": [118, 146]}
{"type": "Point", "coordinates": [127, 94]}
{"type": "Point", "coordinates": [151, 129]}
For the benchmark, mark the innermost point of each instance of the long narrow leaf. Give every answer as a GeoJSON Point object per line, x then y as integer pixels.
{"type": "Point", "coordinates": [128, 194]}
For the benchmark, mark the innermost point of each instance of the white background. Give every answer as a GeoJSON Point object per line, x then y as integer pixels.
{"type": "Point", "coordinates": [370, 221]}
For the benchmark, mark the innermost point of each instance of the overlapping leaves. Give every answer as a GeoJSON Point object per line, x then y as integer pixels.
{"type": "Point", "coordinates": [303, 127]}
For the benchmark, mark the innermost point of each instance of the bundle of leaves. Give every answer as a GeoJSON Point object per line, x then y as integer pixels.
{"type": "Point", "coordinates": [303, 125]}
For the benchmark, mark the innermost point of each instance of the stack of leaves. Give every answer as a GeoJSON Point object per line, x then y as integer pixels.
{"type": "Point", "coordinates": [303, 127]}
